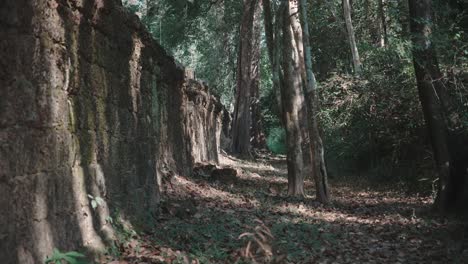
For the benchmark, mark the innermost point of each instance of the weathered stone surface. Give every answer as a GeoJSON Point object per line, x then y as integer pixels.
{"type": "Point", "coordinates": [202, 113]}
{"type": "Point", "coordinates": [89, 104]}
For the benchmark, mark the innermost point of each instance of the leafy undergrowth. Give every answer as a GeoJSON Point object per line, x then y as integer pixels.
{"type": "Point", "coordinates": [252, 220]}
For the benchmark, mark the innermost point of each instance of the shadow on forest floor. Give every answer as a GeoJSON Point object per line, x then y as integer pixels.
{"type": "Point", "coordinates": [253, 219]}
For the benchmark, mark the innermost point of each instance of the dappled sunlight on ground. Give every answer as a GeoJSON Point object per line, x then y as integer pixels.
{"type": "Point", "coordinates": [262, 166]}
{"type": "Point", "coordinates": [205, 221]}
{"type": "Point", "coordinates": [185, 188]}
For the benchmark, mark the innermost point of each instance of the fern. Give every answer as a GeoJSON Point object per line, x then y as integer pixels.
{"type": "Point", "coordinates": [71, 257]}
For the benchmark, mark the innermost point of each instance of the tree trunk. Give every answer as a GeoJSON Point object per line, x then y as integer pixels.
{"type": "Point", "coordinates": [273, 41]}
{"type": "Point", "coordinates": [351, 37]}
{"type": "Point", "coordinates": [430, 88]}
{"type": "Point", "coordinates": [293, 101]}
{"type": "Point", "coordinates": [258, 138]}
{"type": "Point", "coordinates": [283, 53]}
{"type": "Point", "coordinates": [382, 24]}
{"type": "Point", "coordinates": [319, 171]}
{"type": "Point", "coordinates": [247, 77]}
{"type": "Point", "coordinates": [404, 19]}
{"type": "Point", "coordinates": [269, 33]}
{"type": "Point", "coordinates": [299, 53]}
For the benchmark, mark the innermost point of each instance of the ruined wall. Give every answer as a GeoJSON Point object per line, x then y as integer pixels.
{"type": "Point", "coordinates": [90, 106]}
{"type": "Point", "coordinates": [202, 121]}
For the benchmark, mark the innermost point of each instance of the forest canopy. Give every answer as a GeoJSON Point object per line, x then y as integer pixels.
{"type": "Point", "coordinates": [370, 118]}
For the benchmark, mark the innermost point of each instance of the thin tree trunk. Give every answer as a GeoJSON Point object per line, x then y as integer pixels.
{"type": "Point", "coordinates": [404, 19]}
{"type": "Point", "coordinates": [351, 37]}
{"type": "Point", "coordinates": [382, 24]}
{"type": "Point", "coordinates": [246, 74]}
{"type": "Point", "coordinates": [293, 102]}
{"type": "Point", "coordinates": [319, 171]}
{"type": "Point", "coordinates": [430, 88]}
{"type": "Point", "coordinates": [269, 33]}
{"type": "Point", "coordinates": [273, 41]}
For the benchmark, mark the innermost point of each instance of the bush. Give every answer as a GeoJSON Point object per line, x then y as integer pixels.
{"type": "Point", "coordinates": [276, 140]}
{"type": "Point", "coordinates": [373, 124]}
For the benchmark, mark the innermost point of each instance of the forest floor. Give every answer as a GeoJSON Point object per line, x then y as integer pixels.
{"type": "Point", "coordinates": [251, 219]}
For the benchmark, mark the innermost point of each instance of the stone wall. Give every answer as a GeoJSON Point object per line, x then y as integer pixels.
{"type": "Point", "coordinates": [90, 106]}
{"type": "Point", "coordinates": [203, 121]}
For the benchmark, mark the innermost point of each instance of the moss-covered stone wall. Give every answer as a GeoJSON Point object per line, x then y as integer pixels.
{"type": "Point", "coordinates": [90, 106]}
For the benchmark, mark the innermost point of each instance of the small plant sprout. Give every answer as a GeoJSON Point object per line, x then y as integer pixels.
{"type": "Point", "coordinates": [95, 201]}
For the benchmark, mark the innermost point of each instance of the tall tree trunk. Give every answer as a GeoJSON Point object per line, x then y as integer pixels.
{"type": "Point", "coordinates": [274, 44]}
{"type": "Point", "coordinates": [319, 171]}
{"type": "Point", "coordinates": [257, 135]}
{"type": "Point", "coordinates": [351, 37]}
{"type": "Point", "coordinates": [382, 24]}
{"type": "Point", "coordinates": [293, 102]}
{"type": "Point", "coordinates": [303, 116]}
{"type": "Point", "coordinates": [247, 76]}
{"type": "Point", "coordinates": [269, 32]}
{"type": "Point", "coordinates": [404, 19]}
{"type": "Point", "coordinates": [430, 88]}
{"type": "Point", "coordinates": [283, 53]}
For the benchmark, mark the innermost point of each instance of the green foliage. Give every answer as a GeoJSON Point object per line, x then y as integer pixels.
{"type": "Point", "coordinates": [214, 237]}
{"type": "Point", "coordinates": [124, 233]}
{"type": "Point", "coordinates": [374, 121]}
{"type": "Point", "coordinates": [276, 140]}
{"type": "Point", "coordinates": [302, 240]}
{"type": "Point", "coordinates": [71, 257]}
{"type": "Point", "coordinates": [207, 240]}
{"type": "Point", "coordinates": [373, 125]}
{"type": "Point", "coordinates": [95, 201]}
{"type": "Point", "coordinates": [330, 48]}
{"type": "Point", "coordinates": [270, 112]}
{"type": "Point", "coordinates": [201, 34]}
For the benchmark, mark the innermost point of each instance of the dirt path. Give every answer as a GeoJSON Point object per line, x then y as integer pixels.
{"type": "Point", "coordinates": [202, 220]}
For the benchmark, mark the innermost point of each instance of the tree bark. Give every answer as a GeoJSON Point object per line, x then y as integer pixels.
{"type": "Point", "coordinates": [303, 116]}
{"type": "Point", "coordinates": [351, 37]}
{"type": "Point", "coordinates": [274, 44]}
{"type": "Point", "coordinates": [382, 24]}
{"type": "Point", "coordinates": [404, 19]}
{"type": "Point", "coordinates": [285, 52]}
{"type": "Point", "coordinates": [430, 89]}
{"type": "Point", "coordinates": [293, 101]}
{"type": "Point", "coordinates": [257, 136]}
{"type": "Point", "coordinates": [247, 78]}
{"type": "Point", "coordinates": [319, 171]}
